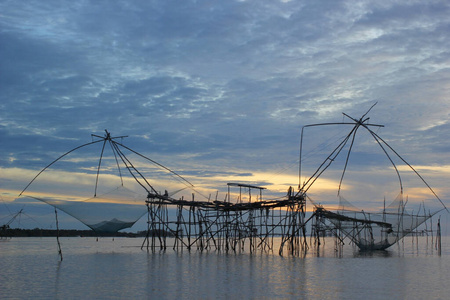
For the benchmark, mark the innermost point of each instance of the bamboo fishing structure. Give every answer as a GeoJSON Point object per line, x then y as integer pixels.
{"type": "Point", "coordinates": [227, 226]}
{"type": "Point", "coordinates": [256, 224]}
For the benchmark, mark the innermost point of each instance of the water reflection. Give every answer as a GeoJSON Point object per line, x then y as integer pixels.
{"type": "Point", "coordinates": [120, 269]}
{"type": "Point", "coordinates": [373, 253]}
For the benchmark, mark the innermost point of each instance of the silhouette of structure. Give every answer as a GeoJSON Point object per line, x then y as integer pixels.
{"type": "Point", "coordinates": [227, 226]}
{"type": "Point", "coordinates": [238, 225]}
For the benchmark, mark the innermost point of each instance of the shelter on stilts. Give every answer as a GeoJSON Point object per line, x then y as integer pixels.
{"type": "Point", "coordinates": [228, 226]}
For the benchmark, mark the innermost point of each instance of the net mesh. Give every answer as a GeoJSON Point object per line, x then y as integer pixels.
{"type": "Point", "coordinates": [113, 211]}
{"type": "Point", "coordinates": [375, 230]}
{"type": "Point", "coordinates": [104, 184]}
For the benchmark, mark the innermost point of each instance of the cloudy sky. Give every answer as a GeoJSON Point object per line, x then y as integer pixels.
{"type": "Point", "coordinates": [219, 90]}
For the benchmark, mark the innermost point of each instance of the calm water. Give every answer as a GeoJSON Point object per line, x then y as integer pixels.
{"type": "Point", "coordinates": [119, 269]}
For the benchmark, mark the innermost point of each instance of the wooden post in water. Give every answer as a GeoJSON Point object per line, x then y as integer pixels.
{"type": "Point", "coordinates": [57, 235]}
{"type": "Point", "coordinates": [438, 236]}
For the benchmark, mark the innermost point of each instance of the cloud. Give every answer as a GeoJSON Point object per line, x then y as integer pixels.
{"type": "Point", "coordinates": [221, 89]}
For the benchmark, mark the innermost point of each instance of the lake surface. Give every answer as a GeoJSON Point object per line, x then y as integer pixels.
{"type": "Point", "coordinates": [119, 269]}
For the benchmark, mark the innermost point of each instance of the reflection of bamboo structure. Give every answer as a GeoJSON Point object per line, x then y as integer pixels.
{"type": "Point", "coordinates": [226, 226]}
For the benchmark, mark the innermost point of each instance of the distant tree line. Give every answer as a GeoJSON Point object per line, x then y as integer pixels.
{"type": "Point", "coordinates": [38, 232]}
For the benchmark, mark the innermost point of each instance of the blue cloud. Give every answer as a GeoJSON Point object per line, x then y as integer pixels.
{"type": "Point", "coordinates": [220, 85]}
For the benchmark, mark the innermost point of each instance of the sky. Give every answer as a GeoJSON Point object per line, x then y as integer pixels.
{"type": "Point", "coordinates": [219, 91]}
